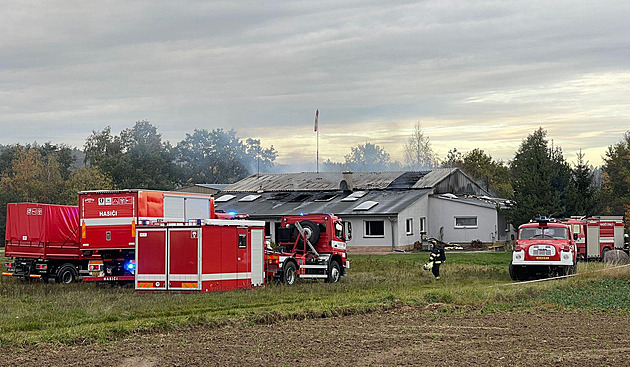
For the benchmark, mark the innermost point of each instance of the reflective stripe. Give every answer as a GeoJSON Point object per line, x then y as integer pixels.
{"type": "Point", "coordinates": [437, 262]}
{"type": "Point", "coordinates": [189, 285]}
{"type": "Point", "coordinates": [114, 221]}
{"type": "Point", "coordinates": [147, 277]}
{"type": "Point", "coordinates": [225, 276]}
{"type": "Point", "coordinates": [183, 277]}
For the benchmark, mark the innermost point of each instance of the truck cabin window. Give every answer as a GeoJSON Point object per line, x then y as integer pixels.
{"type": "Point", "coordinates": [557, 233]}
{"type": "Point", "coordinates": [338, 230]}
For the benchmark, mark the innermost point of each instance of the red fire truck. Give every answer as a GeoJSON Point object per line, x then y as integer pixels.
{"type": "Point", "coordinates": [224, 254]}
{"type": "Point", "coordinates": [544, 248]}
{"type": "Point", "coordinates": [109, 220]}
{"type": "Point", "coordinates": [311, 246]}
{"type": "Point", "coordinates": [597, 235]}
{"type": "Point", "coordinates": [43, 242]}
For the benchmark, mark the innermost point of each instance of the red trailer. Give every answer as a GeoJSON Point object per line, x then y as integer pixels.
{"type": "Point", "coordinates": [109, 219]}
{"type": "Point", "coordinates": [202, 255]}
{"type": "Point", "coordinates": [43, 242]}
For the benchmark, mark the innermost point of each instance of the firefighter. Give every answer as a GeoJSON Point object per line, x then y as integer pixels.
{"type": "Point", "coordinates": [436, 259]}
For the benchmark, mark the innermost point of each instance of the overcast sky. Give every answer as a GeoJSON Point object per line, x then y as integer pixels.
{"type": "Point", "coordinates": [476, 74]}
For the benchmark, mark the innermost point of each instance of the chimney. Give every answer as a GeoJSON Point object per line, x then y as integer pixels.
{"type": "Point", "coordinates": [349, 183]}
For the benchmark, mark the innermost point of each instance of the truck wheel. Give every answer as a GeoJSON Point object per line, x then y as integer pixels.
{"type": "Point", "coordinates": [66, 274]}
{"type": "Point", "coordinates": [311, 230]}
{"type": "Point", "coordinates": [334, 272]}
{"type": "Point", "coordinates": [289, 273]}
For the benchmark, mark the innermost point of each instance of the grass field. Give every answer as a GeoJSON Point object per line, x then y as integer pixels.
{"type": "Point", "coordinates": [33, 312]}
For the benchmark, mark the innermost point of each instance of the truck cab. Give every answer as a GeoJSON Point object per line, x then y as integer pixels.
{"type": "Point", "coordinates": [309, 246]}
{"type": "Point", "coordinates": [544, 248]}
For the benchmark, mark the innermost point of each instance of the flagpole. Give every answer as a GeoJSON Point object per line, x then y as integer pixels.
{"type": "Point", "coordinates": [317, 139]}
{"type": "Point", "coordinates": [318, 150]}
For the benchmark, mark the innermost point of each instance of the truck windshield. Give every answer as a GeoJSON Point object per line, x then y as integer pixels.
{"type": "Point", "coordinates": [558, 233]}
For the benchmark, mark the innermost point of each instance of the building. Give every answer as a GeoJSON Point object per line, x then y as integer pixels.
{"type": "Point", "coordinates": [388, 210]}
{"type": "Point", "coordinates": [204, 188]}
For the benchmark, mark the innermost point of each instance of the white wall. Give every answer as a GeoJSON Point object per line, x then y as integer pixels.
{"type": "Point", "coordinates": [443, 213]}
{"type": "Point", "coordinates": [358, 231]}
{"type": "Point", "coordinates": [416, 211]}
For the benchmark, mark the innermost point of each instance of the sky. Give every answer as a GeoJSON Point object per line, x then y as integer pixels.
{"type": "Point", "coordinates": [475, 74]}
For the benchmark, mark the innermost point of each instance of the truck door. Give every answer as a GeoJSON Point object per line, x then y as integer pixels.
{"type": "Point", "coordinates": [184, 259]}
{"type": "Point", "coordinates": [592, 239]}
{"type": "Point", "coordinates": [151, 259]}
{"type": "Point", "coordinates": [243, 256]}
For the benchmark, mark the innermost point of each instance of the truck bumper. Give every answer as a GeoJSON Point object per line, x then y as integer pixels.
{"type": "Point", "coordinates": [566, 259]}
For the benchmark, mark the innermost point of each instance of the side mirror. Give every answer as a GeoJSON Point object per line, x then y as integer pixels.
{"type": "Point", "coordinates": [348, 231]}
{"type": "Point", "coordinates": [575, 236]}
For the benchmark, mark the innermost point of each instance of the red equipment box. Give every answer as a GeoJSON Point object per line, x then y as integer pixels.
{"type": "Point", "coordinates": [109, 218]}
{"type": "Point", "coordinates": [42, 231]}
{"type": "Point", "coordinates": [210, 255]}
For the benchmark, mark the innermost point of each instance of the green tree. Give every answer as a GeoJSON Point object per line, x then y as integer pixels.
{"type": "Point", "coordinates": [616, 178]}
{"type": "Point", "coordinates": [540, 179]}
{"type": "Point", "coordinates": [582, 195]}
{"type": "Point", "coordinates": [83, 179]}
{"type": "Point", "coordinates": [367, 158]}
{"type": "Point", "coordinates": [137, 158]}
{"type": "Point", "coordinates": [454, 159]}
{"type": "Point", "coordinates": [34, 178]}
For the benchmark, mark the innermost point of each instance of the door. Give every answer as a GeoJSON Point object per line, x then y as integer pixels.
{"type": "Point", "coordinates": [243, 266]}
{"type": "Point", "coordinates": [256, 242]}
{"type": "Point", "coordinates": [184, 259]}
{"type": "Point", "coordinates": [592, 240]}
{"type": "Point", "coordinates": [151, 259]}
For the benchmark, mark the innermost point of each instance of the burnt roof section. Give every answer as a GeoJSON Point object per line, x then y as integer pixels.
{"type": "Point", "coordinates": [332, 181]}
{"type": "Point", "coordinates": [390, 202]}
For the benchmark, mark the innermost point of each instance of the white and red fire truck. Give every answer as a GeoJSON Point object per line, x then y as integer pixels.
{"type": "Point", "coordinates": [109, 220]}
{"type": "Point", "coordinates": [597, 235]}
{"type": "Point", "coordinates": [544, 247]}
{"type": "Point", "coordinates": [224, 254]}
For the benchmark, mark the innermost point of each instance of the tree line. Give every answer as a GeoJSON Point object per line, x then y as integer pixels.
{"type": "Point", "coordinates": [538, 180]}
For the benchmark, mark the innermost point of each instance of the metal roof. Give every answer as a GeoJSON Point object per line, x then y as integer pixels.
{"type": "Point", "coordinates": [390, 202]}
{"type": "Point", "coordinates": [332, 181]}
{"type": "Point", "coordinates": [484, 201]}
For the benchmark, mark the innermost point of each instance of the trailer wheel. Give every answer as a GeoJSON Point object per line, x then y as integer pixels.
{"type": "Point", "coordinates": [289, 273]}
{"type": "Point", "coordinates": [66, 274]}
{"type": "Point", "coordinates": [334, 272]}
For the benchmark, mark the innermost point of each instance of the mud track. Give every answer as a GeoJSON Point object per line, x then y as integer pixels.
{"type": "Point", "coordinates": [433, 336]}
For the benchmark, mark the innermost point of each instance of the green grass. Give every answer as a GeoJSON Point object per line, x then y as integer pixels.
{"type": "Point", "coordinates": [34, 312]}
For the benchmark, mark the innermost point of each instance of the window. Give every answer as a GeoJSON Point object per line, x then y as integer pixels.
{"type": "Point", "coordinates": [300, 198]}
{"type": "Point", "coordinates": [242, 240]}
{"type": "Point", "coordinates": [422, 225]}
{"type": "Point", "coordinates": [224, 198]}
{"type": "Point", "coordinates": [465, 222]}
{"type": "Point", "coordinates": [366, 205]}
{"type": "Point", "coordinates": [326, 197]}
{"type": "Point", "coordinates": [374, 228]}
{"type": "Point", "coordinates": [249, 198]}
{"type": "Point", "coordinates": [409, 226]}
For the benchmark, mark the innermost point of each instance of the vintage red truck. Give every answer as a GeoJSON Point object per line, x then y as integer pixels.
{"type": "Point", "coordinates": [42, 241]}
{"type": "Point", "coordinates": [597, 235]}
{"type": "Point", "coordinates": [544, 248]}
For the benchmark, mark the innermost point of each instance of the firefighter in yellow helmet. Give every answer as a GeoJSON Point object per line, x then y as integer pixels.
{"type": "Point", "coordinates": [436, 259]}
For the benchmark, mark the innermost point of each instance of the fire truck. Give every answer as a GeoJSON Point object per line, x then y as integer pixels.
{"type": "Point", "coordinates": [545, 247]}
{"type": "Point", "coordinates": [224, 254]}
{"type": "Point", "coordinates": [109, 219]}
{"type": "Point", "coordinates": [42, 241]}
{"type": "Point", "coordinates": [597, 235]}
{"type": "Point", "coordinates": [311, 246]}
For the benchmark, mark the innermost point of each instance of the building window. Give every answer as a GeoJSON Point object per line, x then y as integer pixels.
{"type": "Point", "coordinates": [409, 226]}
{"type": "Point", "coordinates": [374, 228]}
{"type": "Point", "coordinates": [465, 222]}
{"type": "Point", "coordinates": [422, 225]}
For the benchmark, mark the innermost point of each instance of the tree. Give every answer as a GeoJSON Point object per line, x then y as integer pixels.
{"type": "Point", "coordinates": [540, 177]}
{"type": "Point", "coordinates": [34, 178]}
{"type": "Point", "coordinates": [616, 178]}
{"type": "Point", "coordinates": [582, 194]}
{"type": "Point", "coordinates": [219, 156]}
{"type": "Point", "coordinates": [453, 159]}
{"type": "Point", "coordinates": [418, 152]}
{"type": "Point", "coordinates": [137, 158]}
{"type": "Point", "coordinates": [85, 178]}
{"type": "Point", "coordinates": [368, 157]}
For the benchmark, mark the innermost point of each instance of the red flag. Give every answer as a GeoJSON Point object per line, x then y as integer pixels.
{"type": "Point", "coordinates": [316, 118]}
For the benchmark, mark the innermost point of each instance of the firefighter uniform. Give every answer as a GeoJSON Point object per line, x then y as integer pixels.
{"type": "Point", "coordinates": [437, 257]}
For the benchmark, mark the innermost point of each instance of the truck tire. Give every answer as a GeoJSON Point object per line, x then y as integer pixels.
{"type": "Point", "coordinates": [334, 272]}
{"type": "Point", "coordinates": [289, 273]}
{"type": "Point", "coordinates": [66, 274]}
{"type": "Point", "coordinates": [311, 230]}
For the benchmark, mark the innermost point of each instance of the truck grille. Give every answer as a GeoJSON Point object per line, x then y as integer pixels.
{"type": "Point", "coordinates": [542, 250]}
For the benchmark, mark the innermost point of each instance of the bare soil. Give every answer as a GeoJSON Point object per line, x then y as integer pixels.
{"type": "Point", "coordinates": [435, 335]}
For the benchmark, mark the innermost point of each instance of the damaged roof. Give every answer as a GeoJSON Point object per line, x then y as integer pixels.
{"type": "Point", "coordinates": [388, 202]}
{"type": "Point", "coordinates": [332, 181]}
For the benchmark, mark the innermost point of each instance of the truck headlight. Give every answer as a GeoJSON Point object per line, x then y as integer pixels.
{"type": "Point", "coordinates": [565, 256]}
{"type": "Point", "coordinates": [518, 256]}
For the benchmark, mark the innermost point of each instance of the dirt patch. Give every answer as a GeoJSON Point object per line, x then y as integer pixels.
{"type": "Point", "coordinates": [431, 336]}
